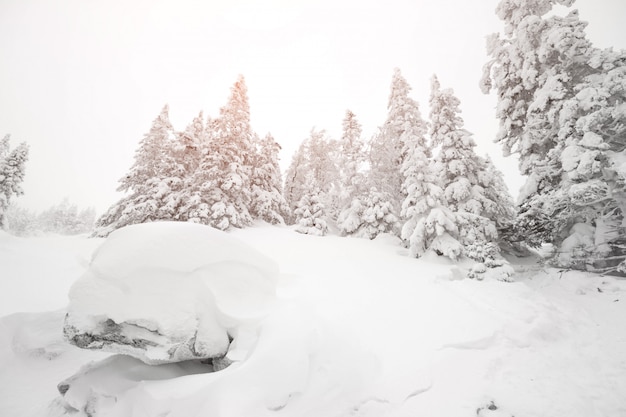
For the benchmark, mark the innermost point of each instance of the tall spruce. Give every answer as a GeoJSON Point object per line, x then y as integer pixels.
{"type": "Point", "coordinates": [12, 172]}
{"type": "Point", "coordinates": [222, 183]}
{"type": "Point", "coordinates": [150, 183]}
{"type": "Point", "coordinates": [268, 203]}
{"type": "Point", "coordinates": [561, 110]}
{"type": "Point", "coordinates": [461, 176]}
{"type": "Point", "coordinates": [388, 148]}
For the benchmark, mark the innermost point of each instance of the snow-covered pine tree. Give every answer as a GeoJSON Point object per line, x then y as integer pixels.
{"type": "Point", "coordinates": [388, 146]}
{"type": "Point", "coordinates": [499, 207]}
{"type": "Point", "coordinates": [12, 171]}
{"type": "Point", "coordinates": [561, 109]}
{"type": "Point", "coordinates": [365, 212]}
{"type": "Point", "coordinates": [460, 170]}
{"type": "Point", "coordinates": [223, 191]}
{"type": "Point", "coordinates": [268, 203]}
{"type": "Point", "coordinates": [150, 183]}
{"type": "Point", "coordinates": [313, 172]}
{"type": "Point", "coordinates": [350, 160]}
{"type": "Point", "coordinates": [369, 215]}
{"type": "Point", "coordinates": [311, 214]}
{"type": "Point", "coordinates": [295, 180]}
{"type": "Point", "coordinates": [428, 223]}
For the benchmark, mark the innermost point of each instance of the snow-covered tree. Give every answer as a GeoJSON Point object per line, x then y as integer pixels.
{"type": "Point", "coordinates": [311, 214]}
{"type": "Point", "coordinates": [350, 160]}
{"type": "Point", "coordinates": [220, 192]}
{"type": "Point", "coordinates": [268, 203]}
{"type": "Point", "coordinates": [20, 221]}
{"type": "Point", "coordinates": [388, 148]}
{"type": "Point", "coordinates": [295, 180]}
{"type": "Point", "coordinates": [12, 171]}
{"type": "Point", "coordinates": [561, 110]}
{"type": "Point", "coordinates": [313, 168]}
{"type": "Point", "coordinates": [65, 218]}
{"type": "Point", "coordinates": [369, 215]}
{"type": "Point", "coordinates": [462, 176]}
{"type": "Point", "coordinates": [428, 223]}
{"type": "Point", "coordinates": [150, 183]}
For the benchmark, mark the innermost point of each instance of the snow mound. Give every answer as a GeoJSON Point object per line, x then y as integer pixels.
{"type": "Point", "coordinates": [168, 292]}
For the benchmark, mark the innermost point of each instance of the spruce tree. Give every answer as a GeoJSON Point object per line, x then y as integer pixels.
{"type": "Point", "coordinates": [351, 158]}
{"type": "Point", "coordinates": [369, 215]}
{"type": "Point", "coordinates": [268, 203]}
{"type": "Point", "coordinates": [12, 172]}
{"type": "Point", "coordinates": [388, 149]}
{"type": "Point", "coordinates": [222, 192]}
{"type": "Point", "coordinates": [151, 183]}
{"type": "Point", "coordinates": [295, 180]}
{"type": "Point", "coordinates": [461, 176]}
{"type": "Point", "coordinates": [559, 109]}
{"type": "Point", "coordinates": [313, 172]}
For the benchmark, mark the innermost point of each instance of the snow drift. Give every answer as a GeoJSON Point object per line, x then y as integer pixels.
{"type": "Point", "coordinates": [168, 292]}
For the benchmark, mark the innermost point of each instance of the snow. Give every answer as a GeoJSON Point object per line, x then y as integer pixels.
{"type": "Point", "coordinates": [357, 328]}
{"type": "Point", "coordinates": [176, 287]}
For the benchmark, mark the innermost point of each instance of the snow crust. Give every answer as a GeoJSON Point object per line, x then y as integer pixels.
{"type": "Point", "coordinates": [169, 291]}
{"type": "Point", "coordinates": [357, 328]}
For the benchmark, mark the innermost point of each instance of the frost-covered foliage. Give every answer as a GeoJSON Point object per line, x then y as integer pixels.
{"type": "Point", "coordinates": [295, 179]}
{"type": "Point", "coordinates": [151, 182]}
{"type": "Point", "coordinates": [350, 162]}
{"type": "Point", "coordinates": [368, 216]}
{"type": "Point", "coordinates": [428, 223]}
{"type": "Point", "coordinates": [65, 218]}
{"type": "Point", "coordinates": [222, 184]}
{"type": "Point", "coordinates": [268, 203]}
{"type": "Point", "coordinates": [215, 173]}
{"type": "Point", "coordinates": [12, 171]}
{"type": "Point", "coordinates": [477, 200]}
{"type": "Point", "coordinates": [388, 149]}
{"type": "Point", "coordinates": [313, 172]}
{"type": "Point", "coordinates": [20, 221]}
{"type": "Point", "coordinates": [187, 289]}
{"type": "Point", "coordinates": [311, 215]}
{"type": "Point", "coordinates": [562, 109]}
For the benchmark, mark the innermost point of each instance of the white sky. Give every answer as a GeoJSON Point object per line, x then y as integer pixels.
{"type": "Point", "coordinates": [82, 80]}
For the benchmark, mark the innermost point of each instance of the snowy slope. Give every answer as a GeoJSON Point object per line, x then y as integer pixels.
{"type": "Point", "coordinates": [359, 329]}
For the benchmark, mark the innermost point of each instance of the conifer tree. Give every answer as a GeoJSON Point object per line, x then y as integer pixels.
{"type": "Point", "coordinates": [428, 223]}
{"type": "Point", "coordinates": [460, 175]}
{"type": "Point", "coordinates": [369, 215]}
{"type": "Point", "coordinates": [311, 214]}
{"type": "Point", "coordinates": [313, 173]}
{"type": "Point", "coordinates": [295, 180]}
{"type": "Point", "coordinates": [388, 149]}
{"type": "Point", "coordinates": [150, 183]}
{"type": "Point", "coordinates": [351, 157]}
{"type": "Point", "coordinates": [222, 183]}
{"type": "Point", "coordinates": [268, 203]}
{"type": "Point", "coordinates": [12, 172]}
{"type": "Point", "coordinates": [559, 109]}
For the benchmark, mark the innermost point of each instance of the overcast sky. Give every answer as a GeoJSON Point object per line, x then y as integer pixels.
{"type": "Point", "coordinates": [82, 80]}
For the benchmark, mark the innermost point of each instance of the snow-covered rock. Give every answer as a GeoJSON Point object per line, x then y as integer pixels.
{"type": "Point", "coordinates": [169, 291]}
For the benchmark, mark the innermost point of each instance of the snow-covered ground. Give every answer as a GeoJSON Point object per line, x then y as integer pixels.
{"type": "Point", "coordinates": [357, 329]}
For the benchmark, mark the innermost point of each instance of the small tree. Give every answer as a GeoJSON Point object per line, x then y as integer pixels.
{"type": "Point", "coordinates": [12, 171]}
{"type": "Point", "coordinates": [368, 216]}
{"type": "Point", "coordinates": [311, 215]}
